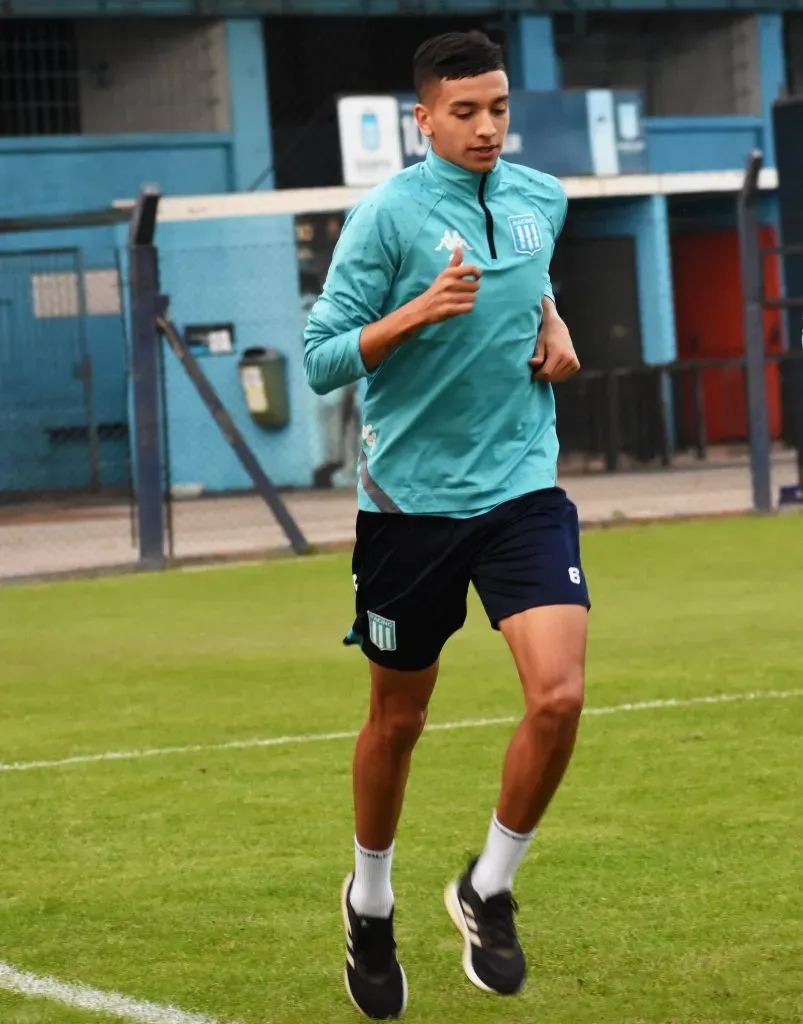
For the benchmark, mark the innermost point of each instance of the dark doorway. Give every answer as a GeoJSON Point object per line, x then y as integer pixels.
{"type": "Point", "coordinates": [313, 60]}
{"type": "Point", "coordinates": [595, 281]}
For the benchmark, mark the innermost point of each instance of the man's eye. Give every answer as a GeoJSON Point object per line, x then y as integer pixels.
{"type": "Point", "coordinates": [500, 113]}
{"type": "Point", "coordinates": [464, 117]}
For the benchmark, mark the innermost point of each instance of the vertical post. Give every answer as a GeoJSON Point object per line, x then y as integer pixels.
{"type": "Point", "coordinates": [252, 147]}
{"type": "Point", "coordinates": [753, 288]}
{"type": "Point", "coordinates": [148, 468]}
{"type": "Point", "coordinates": [700, 439]}
{"type": "Point", "coordinates": [772, 74]}
{"type": "Point", "coordinates": [533, 57]}
{"type": "Point", "coordinates": [87, 376]}
{"type": "Point", "coordinates": [648, 220]}
{"type": "Point", "coordinates": [663, 401]}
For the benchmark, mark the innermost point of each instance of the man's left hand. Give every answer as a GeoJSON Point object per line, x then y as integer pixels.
{"type": "Point", "coordinates": [554, 359]}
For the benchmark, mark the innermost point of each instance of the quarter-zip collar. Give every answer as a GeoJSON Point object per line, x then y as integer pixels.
{"type": "Point", "coordinates": [457, 180]}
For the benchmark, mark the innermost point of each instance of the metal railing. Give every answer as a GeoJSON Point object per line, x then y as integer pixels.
{"type": "Point", "coordinates": [652, 414]}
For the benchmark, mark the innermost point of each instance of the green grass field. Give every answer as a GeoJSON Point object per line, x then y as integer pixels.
{"type": "Point", "coordinates": [665, 887]}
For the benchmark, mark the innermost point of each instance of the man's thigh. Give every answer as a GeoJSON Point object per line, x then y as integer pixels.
{"type": "Point", "coordinates": [529, 557]}
{"type": "Point", "coordinates": [411, 577]}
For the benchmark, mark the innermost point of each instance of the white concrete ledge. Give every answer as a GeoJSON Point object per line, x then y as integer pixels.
{"type": "Point", "coordinates": [321, 200]}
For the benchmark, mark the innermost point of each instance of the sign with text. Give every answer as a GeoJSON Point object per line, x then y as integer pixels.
{"type": "Point", "coordinates": [370, 146]}
{"type": "Point", "coordinates": [568, 134]}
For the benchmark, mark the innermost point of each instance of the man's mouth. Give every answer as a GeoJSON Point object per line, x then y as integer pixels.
{"type": "Point", "coordinates": [485, 150]}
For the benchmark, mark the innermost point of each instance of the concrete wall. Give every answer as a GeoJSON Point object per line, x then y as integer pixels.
{"type": "Point", "coordinates": [141, 75]}
{"type": "Point", "coordinates": [685, 65]}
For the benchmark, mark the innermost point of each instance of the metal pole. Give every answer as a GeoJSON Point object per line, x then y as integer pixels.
{"type": "Point", "coordinates": [148, 468]}
{"type": "Point", "coordinates": [87, 376]}
{"type": "Point", "coordinates": [753, 289]}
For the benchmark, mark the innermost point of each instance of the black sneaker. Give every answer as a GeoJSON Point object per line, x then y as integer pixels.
{"type": "Point", "coordinates": [375, 980]}
{"type": "Point", "coordinates": [492, 959]}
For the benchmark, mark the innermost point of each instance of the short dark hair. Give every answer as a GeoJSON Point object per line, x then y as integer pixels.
{"type": "Point", "coordinates": [455, 55]}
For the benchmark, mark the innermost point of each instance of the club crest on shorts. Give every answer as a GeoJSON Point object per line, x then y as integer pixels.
{"type": "Point", "coordinates": [382, 632]}
{"type": "Point", "coordinates": [526, 236]}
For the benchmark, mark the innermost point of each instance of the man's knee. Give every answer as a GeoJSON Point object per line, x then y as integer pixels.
{"type": "Point", "coordinates": [399, 728]}
{"type": "Point", "coordinates": [558, 700]}
{"type": "Point", "coordinates": [399, 702]}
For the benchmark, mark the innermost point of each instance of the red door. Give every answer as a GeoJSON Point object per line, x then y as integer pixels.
{"type": "Point", "coordinates": [709, 323]}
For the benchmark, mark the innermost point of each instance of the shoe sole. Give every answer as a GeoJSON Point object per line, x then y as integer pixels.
{"type": "Point", "coordinates": [344, 911]}
{"type": "Point", "coordinates": [452, 900]}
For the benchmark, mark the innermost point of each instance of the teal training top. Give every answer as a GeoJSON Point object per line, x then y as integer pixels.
{"type": "Point", "coordinates": [453, 424]}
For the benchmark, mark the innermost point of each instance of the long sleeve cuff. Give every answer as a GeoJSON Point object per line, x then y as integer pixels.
{"type": "Point", "coordinates": [335, 362]}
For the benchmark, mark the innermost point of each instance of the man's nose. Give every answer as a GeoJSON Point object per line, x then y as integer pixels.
{"type": "Point", "coordinates": [485, 126]}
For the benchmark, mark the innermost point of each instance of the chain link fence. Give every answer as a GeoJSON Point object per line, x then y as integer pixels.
{"type": "Point", "coordinates": [636, 440]}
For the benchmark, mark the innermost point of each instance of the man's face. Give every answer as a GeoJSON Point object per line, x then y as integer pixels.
{"type": "Point", "coordinates": [467, 119]}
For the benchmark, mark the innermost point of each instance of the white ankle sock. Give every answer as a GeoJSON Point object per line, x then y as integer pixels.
{"type": "Point", "coordinates": [371, 893]}
{"type": "Point", "coordinates": [496, 868]}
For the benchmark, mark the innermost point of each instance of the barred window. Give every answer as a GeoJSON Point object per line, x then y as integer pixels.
{"type": "Point", "coordinates": [101, 76]}
{"type": "Point", "coordinates": [39, 92]}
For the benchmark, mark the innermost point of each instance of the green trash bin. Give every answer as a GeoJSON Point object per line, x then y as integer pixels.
{"type": "Point", "coordinates": [263, 373]}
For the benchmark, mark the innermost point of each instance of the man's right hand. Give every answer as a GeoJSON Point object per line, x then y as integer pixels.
{"type": "Point", "coordinates": [452, 293]}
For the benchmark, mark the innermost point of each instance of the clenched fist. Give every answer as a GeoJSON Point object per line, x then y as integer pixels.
{"type": "Point", "coordinates": [452, 293]}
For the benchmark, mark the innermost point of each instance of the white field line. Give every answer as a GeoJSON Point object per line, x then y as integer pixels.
{"type": "Point", "coordinates": [326, 737]}
{"type": "Point", "coordinates": [81, 996]}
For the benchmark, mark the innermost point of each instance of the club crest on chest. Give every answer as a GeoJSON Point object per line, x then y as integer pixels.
{"type": "Point", "coordinates": [526, 236]}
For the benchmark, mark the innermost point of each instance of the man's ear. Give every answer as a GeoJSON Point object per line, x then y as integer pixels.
{"type": "Point", "coordinates": [422, 117]}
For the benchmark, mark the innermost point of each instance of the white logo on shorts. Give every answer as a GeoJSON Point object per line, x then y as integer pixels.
{"type": "Point", "coordinates": [574, 576]}
{"type": "Point", "coordinates": [382, 632]}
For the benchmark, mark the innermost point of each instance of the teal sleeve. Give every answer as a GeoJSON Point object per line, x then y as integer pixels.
{"type": "Point", "coordinates": [548, 293]}
{"type": "Point", "coordinates": [558, 227]}
{"type": "Point", "coordinates": [360, 277]}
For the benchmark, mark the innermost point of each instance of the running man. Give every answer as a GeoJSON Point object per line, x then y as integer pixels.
{"type": "Point", "coordinates": [439, 294]}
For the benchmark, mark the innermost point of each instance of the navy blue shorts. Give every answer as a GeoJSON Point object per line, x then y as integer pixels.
{"type": "Point", "coordinates": [412, 573]}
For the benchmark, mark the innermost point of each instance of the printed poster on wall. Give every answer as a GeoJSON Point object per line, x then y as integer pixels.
{"type": "Point", "coordinates": [370, 145]}
{"type": "Point", "coordinates": [336, 418]}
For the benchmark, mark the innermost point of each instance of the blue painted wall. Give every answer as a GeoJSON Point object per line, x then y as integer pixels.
{"type": "Point", "coordinates": [676, 144]}
{"type": "Point", "coordinates": [85, 172]}
{"type": "Point", "coordinates": [242, 270]}
{"type": "Point", "coordinates": [68, 174]}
